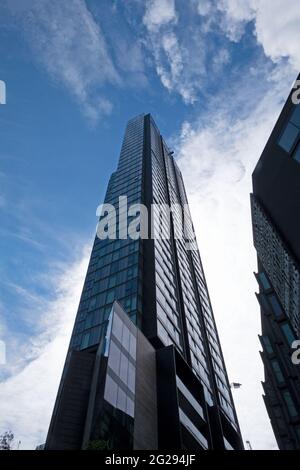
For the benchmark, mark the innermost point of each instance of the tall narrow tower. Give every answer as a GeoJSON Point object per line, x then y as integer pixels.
{"type": "Point", "coordinates": [276, 230]}
{"type": "Point", "coordinates": [145, 368]}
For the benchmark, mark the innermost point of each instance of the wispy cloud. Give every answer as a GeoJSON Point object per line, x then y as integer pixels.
{"type": "Point", "coordinates": [185, 45]}
{"type": "Point", "coordinates": [34, 365]}
{"type": "Point", "coordinates": [177, 55]}
{"type": "Point", "coordinates": [22, 235]}
{"type": "Point", "coordinates": [70, 45]}
{"type": "Point", "coordinates": [159, 13]}
{"type": "Point", "coordinates": [279, 34]}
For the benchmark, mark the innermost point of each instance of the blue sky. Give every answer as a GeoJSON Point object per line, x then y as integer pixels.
{"type": "Point", "coordinates": [214, 74]}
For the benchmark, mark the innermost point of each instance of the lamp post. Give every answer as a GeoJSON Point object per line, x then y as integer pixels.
{"type": "Point", "coordinates": [235, 385]}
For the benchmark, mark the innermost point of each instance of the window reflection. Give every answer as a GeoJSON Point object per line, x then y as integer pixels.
{"type": "Point", "coordinates": [120, 380]}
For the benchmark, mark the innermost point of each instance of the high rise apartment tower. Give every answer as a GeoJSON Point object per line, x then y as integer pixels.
{"type": "Point", "coordinates": [276, 230]}
{"type": "Point", "coordinates": [145, 368]}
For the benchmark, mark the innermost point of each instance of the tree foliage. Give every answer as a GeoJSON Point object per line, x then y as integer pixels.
{"type": "Point", "coordinates": [98, 445]}
{"type": "Point", "coordinates": [6, 440]}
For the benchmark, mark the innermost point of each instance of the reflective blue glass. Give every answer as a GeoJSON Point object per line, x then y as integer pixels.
{"type": "Point", "coordinates": [296, 154]}
{"type": "Point", "coordinates": [275, 305]}
{"type": "Point", "coordinates": [295, 119]}
{"type": "Point", "coordinates": [289, 137]}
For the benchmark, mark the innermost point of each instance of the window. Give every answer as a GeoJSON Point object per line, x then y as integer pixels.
{"type": "Point", "coordinates": [291, 133]}
{"type": "Point", "coordinates": [288, 333]}
{"type": "Point", "coordinates": [92, 303]}
{"type": "Point", "coordinates": [264, 281]}
{"type": "Point", "coordinates": [228, 446]}
{"type": "Point", "coordinates": [88, 321]}
{"type": "Point", "coordinates": [275, 305]}
{"type": "Point", "coordinates": [296, 154]}
{"type": "Point", "coordinates": [124, 368]}
{"type": "Point", "coordinates": [111, 391]}
{"type": "Point", "coordinates": [121, 400]}
{"type": "Point", "coordinates": [112, 281]}
{"type": "Point", "coordinates": [188, 396]}
{"type": "Point", "coordinates": [110, 297]}
{"type": "Point", "coordinates": [114, 357]}
{"type": "Point", "coordinates": [95, 335]}
{"type": "Point", "coordinates": [125, 338]}
{"type": "Point", "coordinates": [131, 377]}
{"type": "Point", "coordinates": [187, 423]}
{"type": "Point", "coordinates": [290, 404]}
{"type": "Point", "coordinates": [277, 371]}
{"type": "Point", "coordinates": [130, 303]}
{"type": "Point", "coordinates": [79, 327]}
{"type": "Point", "coordinates": [85, 341]}
{"type": "Point", "coordinates": [117, 327]}
{"type": "Point", "coordinates": [132, 346]}
{"type": "Point", "coordinates": [267, 344]}
{"type": "Point", "coordinates": [130, 287]}
{"type": "Point", "coordinates": [208, 396]}
{"type": "Point", "coordinates": [288, 137]}
{"type": "Point", "coordinates": [295, 119]}
{"type": "Point", "coordinates": [129, 406]}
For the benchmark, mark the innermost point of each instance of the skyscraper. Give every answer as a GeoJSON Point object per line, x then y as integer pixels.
{"type": "Point", "coordinates": [275, 206]}
{"type": "Point", "coordinates": [145, 368]}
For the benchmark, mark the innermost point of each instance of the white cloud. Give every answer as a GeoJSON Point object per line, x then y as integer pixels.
{"type": "Point", "coordinates": [130, 60]}
{"type": "Point", "coordinates": [229, 16]}
{"type": "Point", "coordinates": [276, 24]}
{"type": "Point", "coordinates": [159, 13]}
{"type": "Point", "coordinates": [159, 18]}
{"type": "Point", "coordinates": [277, 29]}
{"type": "Point", "coordinates": [177, 56]}
{"type": "Point", "coordinates": [217, 156]}
{"type": "Point", "coordinates": [171, 60]}
{"type": "Point", "coordinates": [204, 7]}
{"type": "Point", "coordinates": [69, 43]}
{"type": "Point", "coordinates": [237, 10]}
{"type": "Point", "coordinates": [27, 396]}
{"type": "Point", "coordinates": [171, 75]}
{"type": "Point", "coordinates": [236, 15]}
{"type": "Point", "coordinates": [184, 58]}
{"type": "Point", "coordinates": [221, 58]}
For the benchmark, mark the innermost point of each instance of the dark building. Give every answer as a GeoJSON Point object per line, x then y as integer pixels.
{"type": "Point", "coordinates": [275, 204]}
{"type": "Point", "coordinates": [145, 368]}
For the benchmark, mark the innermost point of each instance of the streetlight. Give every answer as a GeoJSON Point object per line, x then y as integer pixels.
{"type": "Point", "coordinates": [235, 385]}
{"type": "Point", "coordinates": [249, 445]}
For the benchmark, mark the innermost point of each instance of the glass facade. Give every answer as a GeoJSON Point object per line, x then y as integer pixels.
{"type": "Point", "coordinates": [280, 266]}
{"type": "Point", "coordinates": [159, 282]}
{"type": "Point", "coordinates": [114, 271]}
{"type": "Point", "coordinates": [290, 134]}
{"type": "Point", "coordinates": [114, 423]}
{"type": "Point", "coordinates": [282, 380]}
{"type": "Point", "coordinates": [120, 379]}
{"type": "Point", "coordinates": [184, 313]}
{"type": "Point", "coordinates": [276, 225]}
